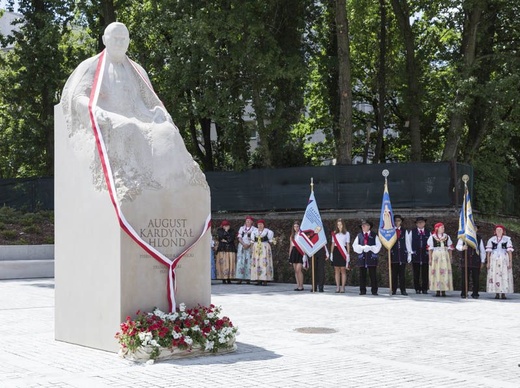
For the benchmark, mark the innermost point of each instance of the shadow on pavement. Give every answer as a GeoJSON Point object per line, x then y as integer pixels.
{"type": "Point", "coordinates": [245, 352]}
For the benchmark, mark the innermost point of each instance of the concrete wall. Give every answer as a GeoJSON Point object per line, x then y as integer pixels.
{"type": "Point", "coordinates": [26, 261]}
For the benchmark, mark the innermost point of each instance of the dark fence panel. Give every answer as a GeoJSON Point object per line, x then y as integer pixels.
{"type": "Point", "coordinates": [411, 185]}
{"type": "Point", "coordinates": [29, 194]}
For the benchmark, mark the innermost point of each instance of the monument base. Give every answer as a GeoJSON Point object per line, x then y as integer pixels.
{"type": "Point", "coordinates": [146, 353]}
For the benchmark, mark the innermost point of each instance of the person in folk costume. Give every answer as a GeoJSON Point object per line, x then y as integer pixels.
{"type": "Point", "coordinates": [418, 254]}
{"type": "Point", "coordinates": [296, 257]}
{"type": "Point", "coordinates": [262, 257]}
{"type": "Point", "coordinates": [367, 246]}
{"type": "Point", "coordinates": [499, 250]}
{"type": "Point", "coordinates": [320, 258]}
{"type": "Point", "coordinates": [399, 257]}
{"type": "Point", "coordinates": [476, 260]}
{"type": "Point", "coordinates": [244, 250]}
{"type": "Point", "coordinates": [226, 253]}
{"type": "Point", "coordinates": [340, 260]}
{"type": "Point", "coordinates": [440, 249]}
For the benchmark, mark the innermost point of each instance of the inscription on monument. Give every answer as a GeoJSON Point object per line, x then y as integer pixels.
{"type": "Point", "coordinates": [166, 232]}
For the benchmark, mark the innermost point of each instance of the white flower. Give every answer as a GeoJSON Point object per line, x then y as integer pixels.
{"type": "Point", "coordinates": [195, 328]}
{"type": "Point", "coordinates": [206, 321]}
{"type": "Point", "coordinates": [184, 316]}
{"type": "Point", "coordinates": [182, 307]}
{"type": "Point", "coordinates": [154, 343]}
{"type": "Point", "coordinates": [188, 340]}
{"type": "Point", "coordinates": [211, 315]}
{"type": "Point", "coordinates": [176, 335]}
{"type": "Point", "coordinates": [209, 345]}
{"type": "Point", "coordinates": [150, 362]}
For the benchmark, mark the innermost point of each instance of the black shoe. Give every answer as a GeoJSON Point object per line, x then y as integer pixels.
{"type": "Point", "coordinates": [375, 294]}
{"type": "Point", "coordinates": [438, 293]}
{"type": "Point", "coordinates": [393, 292]}
{"type": "Point", "coordinates": [404, 293]}
{"type": "Point", "coordinates": [362, 293]}
{"type": "Point", "coordinates": [443, 294]}
{"type": "Point", "coordinates": [463, 296]}
{"type": "Point", "coordinates": [321, 290]}
{"type": "Point", "coordinates": [475, 296]}
{"type": "Point", "coordinates": [417, 291]}
{"type": "Point", "coordinates": [497, 296]}
{"type": "Point", "coordinates": [425, 292]}
{"type": "Point", "coordinates": [503, 296]}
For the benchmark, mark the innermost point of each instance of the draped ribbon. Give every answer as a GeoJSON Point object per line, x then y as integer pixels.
{"type": "Point", "coordinates": [109, 179]}
{"type": "Point", "coordinates": [342, 248]}
{"type": "Point", "coordinates": [298, 248]}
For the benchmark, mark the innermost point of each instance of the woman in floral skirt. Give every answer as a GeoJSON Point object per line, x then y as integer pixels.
{"type": "Point", "coordinates": [499, 250]}
{"type": "Point", "coordinates": [262, 257]}
{"type": "Point", "coordinates": [244, 250]}
{"type": "Point", "coordinates": [440, 249]}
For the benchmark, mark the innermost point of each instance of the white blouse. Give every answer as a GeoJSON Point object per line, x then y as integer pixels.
{"type": "Point", "coordinates": [266, 232]}
{"type": "Point", "coordinates": [499, 249]}
{"type": "Point", "coordinates": [445, 242]}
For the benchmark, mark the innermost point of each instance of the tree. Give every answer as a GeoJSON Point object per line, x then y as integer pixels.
{"type": "Point", "coordinates": [344, 140]}
{"type": "Point", "coordinates": [33, 74]}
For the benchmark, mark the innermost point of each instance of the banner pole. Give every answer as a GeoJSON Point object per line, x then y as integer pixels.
{"type": "Point", "coordinates": [390, 271]}
{"type": "Point", "coordinates": [465, 178]}
{"type": "Point", "coordinates": [313, 281]}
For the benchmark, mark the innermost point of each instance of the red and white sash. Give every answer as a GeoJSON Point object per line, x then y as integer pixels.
{"type": "Point", "coordinates": [342, 248]}
{"type": "Point", "coordinates": [109, 179]}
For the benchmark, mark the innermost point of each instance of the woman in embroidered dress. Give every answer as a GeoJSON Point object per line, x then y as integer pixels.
{"type": "Point", "coordinates": [226, 253]}
{"type": "Point", "coordinates": [499, 250]}
{"type": "Point", "coordinates": [440, 249]}
{"type": "Point", "coordinates": [244, 250]}
{"type": "Point", "coordinates": [262, 257]}
{"type": "Point", "coordinates": [296, 257]}
{"type": "Point", "coordinates": [340, 260]}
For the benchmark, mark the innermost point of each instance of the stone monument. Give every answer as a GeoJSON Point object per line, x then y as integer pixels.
{"type": "Point", "coordinates": [131, 205]}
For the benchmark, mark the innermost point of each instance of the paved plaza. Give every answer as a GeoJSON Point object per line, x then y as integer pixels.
{"type": "Point", "coordinates": [378, 341]}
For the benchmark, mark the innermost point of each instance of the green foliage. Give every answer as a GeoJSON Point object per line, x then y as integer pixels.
{"type": "Point", "coordinates": [490, 176]}
{"type": "Point", "coordinates": [9, 234]}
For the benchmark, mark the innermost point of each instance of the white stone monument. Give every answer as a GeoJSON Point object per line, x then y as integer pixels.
{"type": "Point", "coordinates": [127, 190]}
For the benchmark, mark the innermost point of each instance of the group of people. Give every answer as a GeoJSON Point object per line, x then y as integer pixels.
{"type": "Point", "coordinates": [431, 256]}
{"type": "Point", "coordinates": [244, 256]}
{"type": "Point", "coordinates": [430, 252]}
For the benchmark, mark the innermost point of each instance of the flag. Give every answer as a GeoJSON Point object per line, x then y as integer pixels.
{"type": "Point", "coordinates": [467, 228]}
{"type": "Point", "coordinates": [387, 233]}
{"type": "Point", "coordinates": [311, 237]}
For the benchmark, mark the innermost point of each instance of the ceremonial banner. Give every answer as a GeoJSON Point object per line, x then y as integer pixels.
{"type": "Point", "coordinates": [387, 233]}
{"type": "Point", "coordinates": [467, 228]}
{"type": "Point", "coordinates": [312, 236]}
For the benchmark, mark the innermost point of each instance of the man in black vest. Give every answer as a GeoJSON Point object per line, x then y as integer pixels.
{"type": "Point", "coordinates": [367, 246]}
{"type": "Point", "coordinates": [418, 255]}
{"type": "Point", "coordinates": [476, 259]}
{"type": "Point", "coordinates": [399, 255]}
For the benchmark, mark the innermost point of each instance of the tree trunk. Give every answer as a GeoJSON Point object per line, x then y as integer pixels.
{"type": "Point", "coordinates": [413, 94]}
{"type": "Point", "coordinates": [381, 85]}
{"type": "Point", "coordinates": [468, 51]}
{"type": "Point", "coordinates": [344, 141]}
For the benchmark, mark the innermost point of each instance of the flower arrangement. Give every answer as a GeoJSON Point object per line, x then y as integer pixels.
{"type": "Point", "coordinates": [185, 332]}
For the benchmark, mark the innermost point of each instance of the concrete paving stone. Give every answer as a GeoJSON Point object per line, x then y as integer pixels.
{"type": "Point", "coordinates": [384, 341]}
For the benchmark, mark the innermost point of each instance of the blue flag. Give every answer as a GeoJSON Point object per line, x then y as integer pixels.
{"type": "Point", "coordinates": [467, 228]}
{"type": "Point", "coordinates": [312, 236]}
{"type": "Point", "coordinates": [387, 233]}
